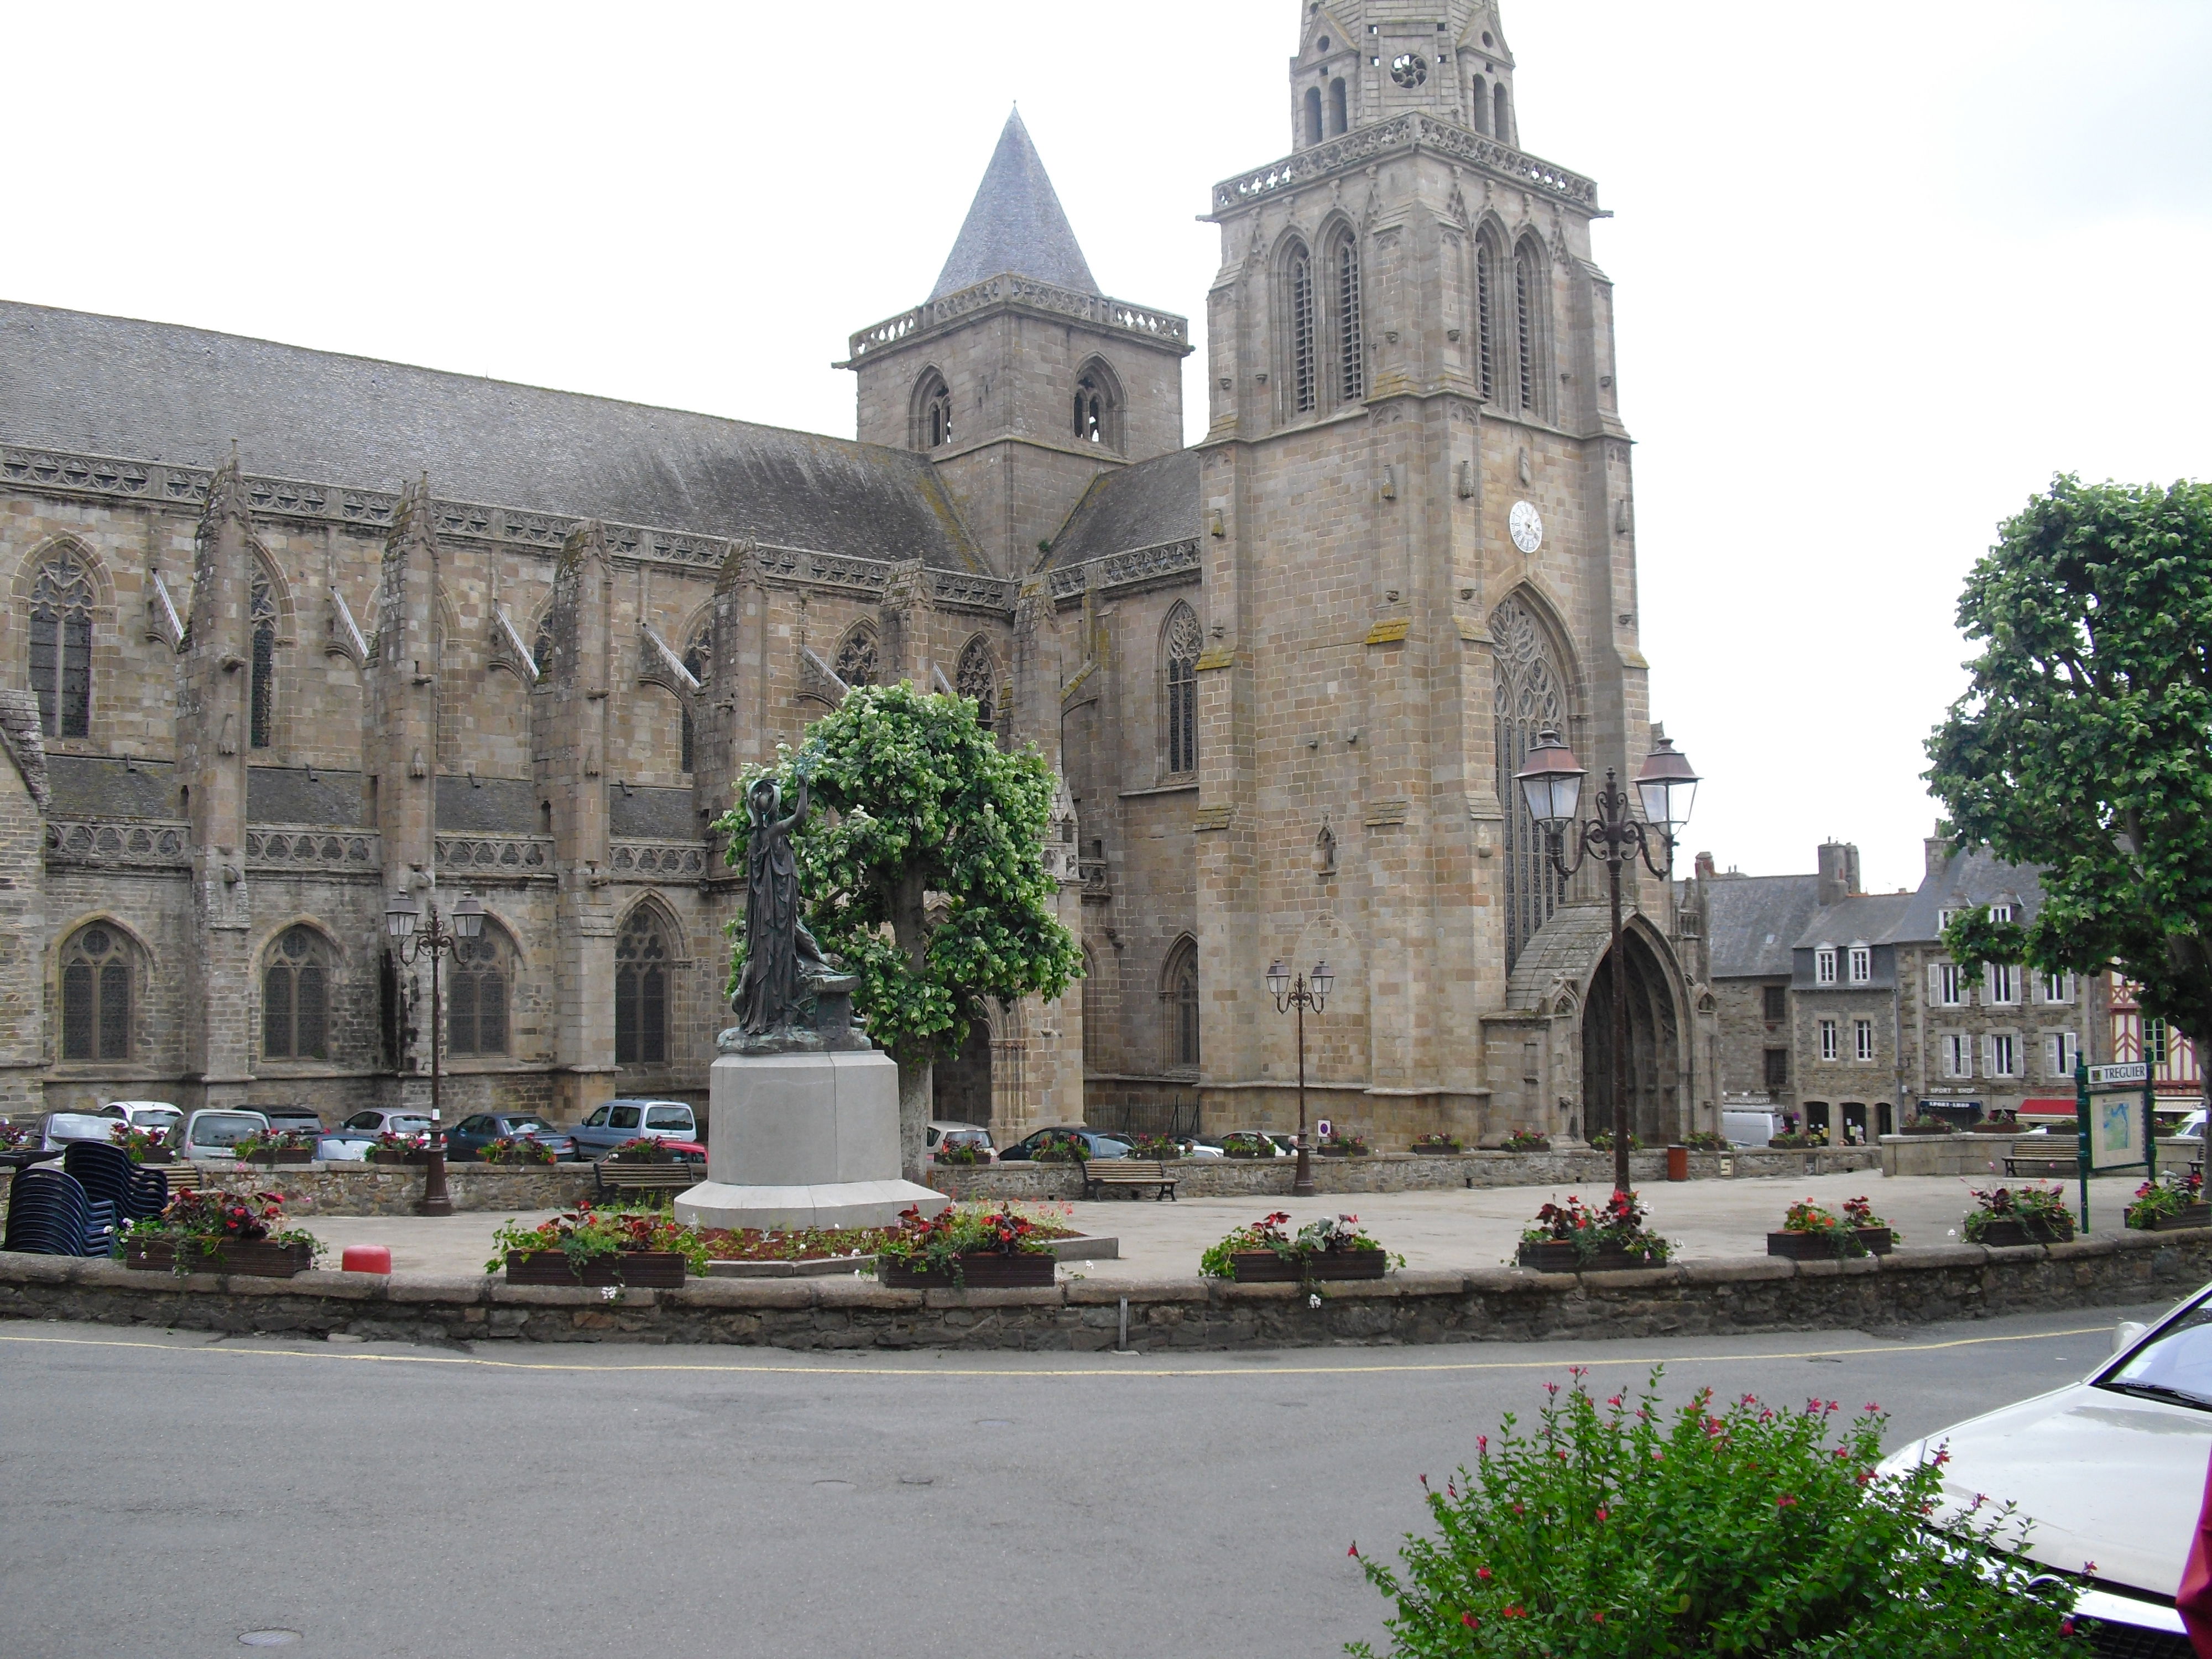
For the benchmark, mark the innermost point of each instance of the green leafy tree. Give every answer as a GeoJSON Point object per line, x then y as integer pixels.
{"type": "Point", "coordinates": [922, 867]}
{"type": "Point", "coordinates": [2083, 744]}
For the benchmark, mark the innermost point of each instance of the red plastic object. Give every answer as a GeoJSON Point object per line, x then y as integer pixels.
{"type": "Point", "coordinates": [367, 1259]}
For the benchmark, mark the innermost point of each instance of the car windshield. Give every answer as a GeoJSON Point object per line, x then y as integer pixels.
{"type": "Point", "coordinates": [527, 1126]}
{"type": "Point", "coordinates": [365, 1121]}
{"type": "Point", "coordinates": [226, 1130]}
{"type": "Point", "coordinates": [2175, 1365]}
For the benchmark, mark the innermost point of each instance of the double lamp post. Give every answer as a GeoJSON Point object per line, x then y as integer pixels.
{"type": "Point", "coordinates": [402, 918]}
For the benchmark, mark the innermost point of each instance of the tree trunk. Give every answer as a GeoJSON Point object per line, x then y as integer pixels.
{"type": "Point", "coordinates": [917, 1074]}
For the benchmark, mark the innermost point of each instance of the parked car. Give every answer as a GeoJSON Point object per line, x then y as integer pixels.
{"type": "Point", "coordinates": [472, 1134]}
{"type": "Point", "coordinates": [350, 1142]}
{"type": "Point", "coordinates": [2107, 1471]}
{"type": "Point", "coordinates": [621, 1120]}
{"type": "Point", "coordinates": [2191, 1127]}
{"type": "Point", "coordinates": [939, 1135]}
{"type": "Point", "coordinates": [213, 1131]}
{"type": "Point", "coordinates": [1096, 1144]}
{"type": "Point", "coordinates": [293, 1120]}
{"type": "Point", "coordinates": [156, 1115]}
{"type": "Point", "coordinates": [62, 1127]}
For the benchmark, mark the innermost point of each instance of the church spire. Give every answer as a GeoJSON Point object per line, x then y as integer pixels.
{"type": "Point", "coordinates": [1015, 224]}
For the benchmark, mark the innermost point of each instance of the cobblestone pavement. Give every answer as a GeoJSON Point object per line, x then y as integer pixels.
{"type": "Point", "coordinates": [1444, 1230]}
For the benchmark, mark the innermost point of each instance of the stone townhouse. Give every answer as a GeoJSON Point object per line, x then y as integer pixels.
{"type": "Point", "coordinates": [293, 631]}
{"type": "Point", "coordinates": [1842, 1008]}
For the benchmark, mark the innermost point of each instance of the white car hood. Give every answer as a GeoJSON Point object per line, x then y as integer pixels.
{"type": "Point", "coordinates": [2106, 1477]}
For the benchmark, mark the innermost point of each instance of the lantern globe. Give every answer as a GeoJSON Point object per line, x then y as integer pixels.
{"type": "Point", "coordinates": [1668, 783]}
{"type": "Point", "coordinates": [1279, 979]}
{"type": "Point", "coordinates": [1321, 979]}
{"type": "Point", "coordinates": [401, 914]}
{"type": "Point", "coordinates": [1551, 781]}
{"type": "Point", "coordinates": [468, 917]}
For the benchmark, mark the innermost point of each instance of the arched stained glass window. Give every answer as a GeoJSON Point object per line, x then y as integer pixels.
{"type": "Point", "coordinates": [1530, 694]}
{"type": "Point", "coordinates": [978, 679]}
{"type": "Point", "coordinates": [641, 985]}
{"type": "Point", "coordinates": [856, 656]}
{"type": "Point", "coordinates": [295, 1005]}
{"type": "Point", "coordinates": [62, 602]}
{"type": "Point", "coordinates": [96, 993]}
{"type": "Point", "coordinates": [1181, 644]}
{"type": "Point", "coordinates": [476, 991]}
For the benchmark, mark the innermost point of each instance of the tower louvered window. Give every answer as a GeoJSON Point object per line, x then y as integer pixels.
{"type": "Point", "coordinates": [1303, 377]}
{"type": "Point", "coordinates": [263, 720]}
{"type": "Point", "coordinates": [1524, 322]}
{"type": "Point", "coordinates": [1485, 320]}
{"type": "Point", "coordinates": [1351, 378]}
{"type": "Point", "coordinates": [61, 645]}
{"type": "Point", "coordinates": [1529, 696]}
{"type": "Point", "coordinates": [1181, 643]}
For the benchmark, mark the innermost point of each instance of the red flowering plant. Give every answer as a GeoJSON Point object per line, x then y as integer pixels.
{"type": "Point", "coordinates": [272, 1141]}
{"type": "Point", "coordinates": [936, 1243]}
{"type": "Point", "coordinates": [644, 1149]}
{"type": "Point", "coordinates": [1060, 1149]}
{"type": "Point", "coordinates": [1331, 1233]}
{"type": "Point", "coordinates": [1616, 1225]}
{"type": "Point", "coordinates": [1742, 1530]}
{"type": "Point", "coordinates": [2039, 1209]}
{"type": "Point", "coordinates": [515, 1148]}
{"type": "Point", "coordinates": [1437, 1141]}
{"type": "Point", "coordinates": [135, 1142]}
{"type": "Point", "coordinates": [196, 1224]}
{"type": "Point", "coordinates": [1526, 1140]}
{"type": "Point", "coordinates": [1842, 1232]}
{"type": "Point", "coordinates": [394, 1140]}
{"type": "Point", "coordinates": [2168, 1194]}
{"type": "Point", "coordinates": [586, 1233]}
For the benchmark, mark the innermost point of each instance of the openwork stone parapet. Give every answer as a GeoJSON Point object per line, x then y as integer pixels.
{"type": "Point", "coordinates": [1116, 316]}
{"type": "Point", "coordinates": [1406, 132]}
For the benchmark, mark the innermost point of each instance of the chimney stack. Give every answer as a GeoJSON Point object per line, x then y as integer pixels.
{"type": "Point", "coordinates": [1839, 871]}
{"type": "Point", "coordinates": [1938, 847]}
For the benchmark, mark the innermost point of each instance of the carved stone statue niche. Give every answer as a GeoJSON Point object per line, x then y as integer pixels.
{"type": "Point", "coordinates": [791, 997]}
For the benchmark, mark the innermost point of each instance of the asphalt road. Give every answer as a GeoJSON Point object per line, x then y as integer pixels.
{"type": "Point", "coordinates": [162, 1495]}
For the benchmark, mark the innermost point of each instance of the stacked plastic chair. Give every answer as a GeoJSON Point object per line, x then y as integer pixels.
{"type": "Point", "coordinates": [49, 1214]}
{"type": "Point", "coordinates": [106, 1174]}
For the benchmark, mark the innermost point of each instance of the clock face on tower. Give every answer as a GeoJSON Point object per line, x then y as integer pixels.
{"type": "Point", "coordinates": [1527, 527]}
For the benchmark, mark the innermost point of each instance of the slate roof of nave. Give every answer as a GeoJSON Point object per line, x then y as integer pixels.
{"type": "Point", "coordinates": [1015, 225]}
{"type": "Point", "coordinates": [158, 392]}
{"type": "Point", "coordinates": [1152, 502]}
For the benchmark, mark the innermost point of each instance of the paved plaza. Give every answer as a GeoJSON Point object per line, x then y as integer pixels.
{"type": "Point", "coordinates": [1443, 1229]}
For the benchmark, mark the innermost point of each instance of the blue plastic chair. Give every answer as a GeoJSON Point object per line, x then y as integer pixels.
{"type": "Point", "coordinates": [49, 1214]}
{"type": "Point", "coordinates": [104, 1172]}
{"type": "Point", "coordinates": [149, 1191]}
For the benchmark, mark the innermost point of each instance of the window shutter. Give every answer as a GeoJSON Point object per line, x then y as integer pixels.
{"type": "Point", "coordinates": [1934, 982]}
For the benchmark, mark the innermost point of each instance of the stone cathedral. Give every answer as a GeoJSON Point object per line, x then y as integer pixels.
{"type": "Point", "coordinates": [293, 631]}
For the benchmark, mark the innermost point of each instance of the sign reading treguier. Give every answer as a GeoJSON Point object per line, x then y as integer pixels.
{"type": "Point", "coordinates": [2112, 1128]}
{"type": "Point", "coordinates": [2104, 1077]}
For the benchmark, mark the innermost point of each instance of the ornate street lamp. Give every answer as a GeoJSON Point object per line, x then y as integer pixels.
{"type": "Point", "coordinates": [401, 916]}
{"type": "Point", "coordinates": [1307, 991]}
{"type": "Point", "coordinates": [1552, 784]}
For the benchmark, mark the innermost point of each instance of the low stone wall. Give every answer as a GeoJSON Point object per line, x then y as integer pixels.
{"type": "Point", "coordinates": [1757, 1293]}
{"type": "Point", "coordinates": [1402, 1172]}
{"type": "Point", "coordinates": [392, 1189]}
{"type": "Point", "coordinates": [1963, 1154]}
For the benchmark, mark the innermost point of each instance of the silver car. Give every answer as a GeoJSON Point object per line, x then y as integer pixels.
{"type": "Point", "coordinates": [2110, 1471]}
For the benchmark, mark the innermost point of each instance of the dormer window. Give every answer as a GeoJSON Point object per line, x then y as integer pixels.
{"type": "Point", "coordinates": [1824, 965]}
{"type": "Point", "coordinates": [1862, 964]}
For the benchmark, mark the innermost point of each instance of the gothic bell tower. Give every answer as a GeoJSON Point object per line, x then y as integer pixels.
{"type": "Point", "coordinates": [1018, 376]}
{"type": "Point", "coordinates": [1420, 545]}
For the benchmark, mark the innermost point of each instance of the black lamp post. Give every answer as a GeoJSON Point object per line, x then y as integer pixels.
{"type": "Point", "coordinates": [1306, 992]}
{"type": "Point", "coordinates": [434, 941]}
{"type": "Point", "coordinates": [1551, 781]}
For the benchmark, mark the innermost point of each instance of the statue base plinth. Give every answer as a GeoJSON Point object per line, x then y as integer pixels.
{"type": "Point", "coordinates": [804, 1140]}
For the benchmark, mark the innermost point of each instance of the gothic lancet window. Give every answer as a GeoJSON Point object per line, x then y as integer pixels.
{"type": "Point", "coordinates": [1351, 361]}
{"type": "Point", "coordinates": [1303, 326]}
{"type": "Point", "coordinates": [263, 717]}
{"type": "Point", "coordinates": [476, 995]}
{"type": "Point", "coordinates": [295, 998]}
{"type": "Point", "coordinates": [932, 412]}
{"type": "Point", "coordinates": [1179, 992]}
{"type": "Point", "coordinates": [1486, 319]}
{"type": "Point", "coordinates": [1479, 100]}
{"type": "Point", "coordinates": [1337, 122]}
{"type": "Point", "coordinates": [856, 656]}
{"type": "Point", "coordinates": [1502, 126]}
{"type": "Point", "coordinates": [96, 993]}
{"type": "Point", "coordinates": [641, 985]}
{"type": "Point", "coordinates": [1531, 313]}
{"type": "Point", "coordinates": [1181, 643]}
{"type": "Point", "coordinates": [1530, 694]}
{"type": "Point", "coordinates": [1096, 413]}
{"type": "Point", "coordinates": [60, 644]}
{"type": "Point", "coordinates": [978, 679]}
{"type": "Point", "coordinates": [1313, 115]}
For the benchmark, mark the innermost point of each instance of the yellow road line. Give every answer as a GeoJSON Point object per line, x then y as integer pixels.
{"type": "Point", "coordinates": [1559, 1364]}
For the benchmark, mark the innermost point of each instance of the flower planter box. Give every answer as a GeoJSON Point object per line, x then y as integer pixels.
{"type": "Point", "coordinates": [154, 1157]}
{"type": "Point", "coordinates": [1558, 1257]}
{"type": "Point", "coordinates": [284, 1155]}
{"type": "Point", "coordinates": [980, 1270]}
{"type": "Point", "coordinates": [259, 1257]}
{"type": "Point", "coordinates": [1437, 1151]}
{"type": "Point", "coordinates": [379, 1157]}
{"type": "Point", "coordinates": [1266, 1267]}
{"type": "Point", "coordinates": [1338, 1151]}
{"type": "Point", "coordinates": [1818, 1247]}
{"type": "Point", "coordinates": [644, 1270]}
{"type": "Point", "coordinates": [2004, 1235]}
{"type": "Point", "coordinates": [1922, 1129]}
{"type": "Point", "coordinates": [2193, 1215]}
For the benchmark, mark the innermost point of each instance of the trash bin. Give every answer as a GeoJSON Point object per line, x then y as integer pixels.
{"type": "Point", "coordinates": [1678, 1163]}
{"type": "Point", "coordinates": [366, 1258]}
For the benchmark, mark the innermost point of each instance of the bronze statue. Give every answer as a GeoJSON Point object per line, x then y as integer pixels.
{"type": "Point", "coordinates": [790, 995]}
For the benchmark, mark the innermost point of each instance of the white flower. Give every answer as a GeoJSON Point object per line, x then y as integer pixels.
{"type": "Point", "coordinates": [608, 1293]}
{"type": "Point", "coordinates": [1314, 1299]}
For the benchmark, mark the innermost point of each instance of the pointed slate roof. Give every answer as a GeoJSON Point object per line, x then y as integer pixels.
{"type": "Point", "coordinates": [1015, 225]}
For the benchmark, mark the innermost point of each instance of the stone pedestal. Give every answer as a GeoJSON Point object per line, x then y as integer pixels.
{"type": "Point", "coordinates": [804, 1140]}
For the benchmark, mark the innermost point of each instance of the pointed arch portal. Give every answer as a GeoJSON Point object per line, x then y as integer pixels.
{"type": "Point", "coordinates": [1636, 973]}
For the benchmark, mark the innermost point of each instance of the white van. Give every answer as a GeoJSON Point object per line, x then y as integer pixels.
{"type": "Point", "coordinates": [1750, 1126]}
{"type": "Point", "coordinates": [213, 1131]}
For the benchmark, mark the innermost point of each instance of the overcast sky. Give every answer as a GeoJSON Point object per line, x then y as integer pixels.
{"type": "Point", "coordinates": [1882, 270]}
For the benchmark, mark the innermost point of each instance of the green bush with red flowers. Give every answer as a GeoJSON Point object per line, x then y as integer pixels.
{"type": "Point", "coordinates": [1612, 1531]}
{"type": "Point", "coordinates": [1615, 1224]}
{"type": "Point", "coordinates": [587, 1233]}
{"type": "Point", "coordinates": [515, 1148]}
{"type": "Point", "coordinates": [196, 1224]}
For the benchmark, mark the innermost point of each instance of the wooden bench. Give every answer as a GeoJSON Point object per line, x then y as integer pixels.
{"type": "Point", "coordinates": [614, 1175]}
{"type": "Point", "coordinates": [2044, 1168]}
{"type": "Point", "coordinates": [1130, 1172]}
